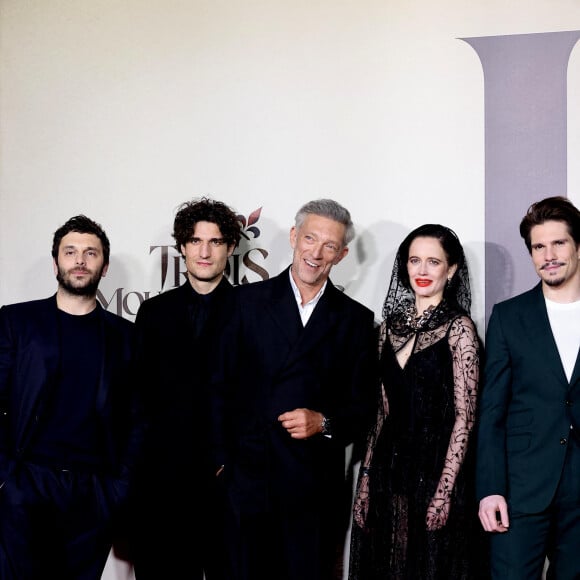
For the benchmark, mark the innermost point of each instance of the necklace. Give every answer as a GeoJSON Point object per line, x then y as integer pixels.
{"type": "Point", "coordinates": [414, 321]}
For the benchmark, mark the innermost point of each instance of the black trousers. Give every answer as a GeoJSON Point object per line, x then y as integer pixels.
{"type": "Point", "coordinates": [285, 543]}
{"type": "Point", "coordinates": [177, 531]}
{"type": "Point", "coordinates": [520, 553]}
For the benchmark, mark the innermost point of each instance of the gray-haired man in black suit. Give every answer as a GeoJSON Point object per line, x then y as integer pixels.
{"type": "Point", "coordinates": [295, 384]}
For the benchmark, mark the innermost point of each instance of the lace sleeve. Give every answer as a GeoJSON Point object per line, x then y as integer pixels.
{"type": "Point", "coordinates": [464, 346]}
{"type": "Point", "coordinates": [361, 499]}
{"type": "Point", "coordinates": [383, 410]}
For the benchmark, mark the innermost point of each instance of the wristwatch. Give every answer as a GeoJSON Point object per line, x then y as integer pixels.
{"type": "Point", "coordinates": [326, 426]}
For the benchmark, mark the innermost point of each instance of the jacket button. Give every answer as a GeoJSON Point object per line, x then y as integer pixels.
{"type": "Point", "coordinates": [568, 403]}
{"type": "Point", "coordinates": [563, 441]}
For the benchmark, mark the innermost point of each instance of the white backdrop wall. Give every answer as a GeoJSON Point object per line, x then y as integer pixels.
{"type": "Point", "coordinates": [122, 110]}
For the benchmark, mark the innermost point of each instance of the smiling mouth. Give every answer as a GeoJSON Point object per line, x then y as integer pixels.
{"type": "Point", "coordinates": [421, 282]}
{"type": "Point", "coordinates": [311, 264]}
{"type": "Point", "coordinates": [551, 265]}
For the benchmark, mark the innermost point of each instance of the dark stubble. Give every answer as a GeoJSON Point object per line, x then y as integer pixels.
{"type": "Point", "coordinates": [88, 288]}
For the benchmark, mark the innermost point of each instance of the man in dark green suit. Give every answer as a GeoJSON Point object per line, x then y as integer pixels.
{"type": "Point", "coordinates": [528, 455]}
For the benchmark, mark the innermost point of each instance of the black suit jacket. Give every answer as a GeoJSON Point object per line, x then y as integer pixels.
{"type": "Point", "coordinates": [175, 480]}
{"type": "Point", "coordinates": [268, 364]}
{"type": "Point", "coordinates": [173, 370]}
{"type": "Point", "coordinates": [527, 406]}
{"type": "Point", "coordinates": [29, 365]}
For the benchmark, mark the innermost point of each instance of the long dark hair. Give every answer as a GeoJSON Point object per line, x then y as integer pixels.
{"type": "Point", "coordinates": [457, 293]}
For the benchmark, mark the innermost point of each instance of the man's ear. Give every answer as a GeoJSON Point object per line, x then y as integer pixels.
{"type": "Point", "coordinates": [293, 235]}
{"type": "Point", "coordinates": [341, 255]}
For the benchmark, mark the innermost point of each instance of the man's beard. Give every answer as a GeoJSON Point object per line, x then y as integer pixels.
{"type": "Point", "coordinates": [88, 289]}
{"type": "Point", "coordinates": [554, 282]}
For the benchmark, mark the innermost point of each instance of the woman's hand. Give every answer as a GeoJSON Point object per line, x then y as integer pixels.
{"type": "Point", "coordinates": [437, 512]}
{"type": "Point", "coordinates": [361, 501]}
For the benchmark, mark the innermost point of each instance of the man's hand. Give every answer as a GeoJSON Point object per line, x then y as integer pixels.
{"type": "Point", "coordinates": [493, 514]}
{"type": "Point", "coordinates": [301, 423]}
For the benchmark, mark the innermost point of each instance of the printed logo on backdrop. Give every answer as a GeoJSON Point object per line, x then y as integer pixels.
{"type": "Point", "coordinates": [525, 127]}
{"type": "Point", "coordinates": [525, 133]}
{"type": "Point", "coordinates": [247, 258]}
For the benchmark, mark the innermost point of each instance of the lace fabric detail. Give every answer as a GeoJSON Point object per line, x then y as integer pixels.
{"type": "Point", "coordinates": [414, 514]}
{"type": "Point", "coordinates": [423, 339]}
{"type": "Point", "coordinates": [419, 478]}
{"type": "Point", "coordinates": [417, 321]}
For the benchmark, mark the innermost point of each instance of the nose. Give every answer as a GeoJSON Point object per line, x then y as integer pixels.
{"type": "Point", "coordinates": [80, 258]}
{"type": "Point", "coordinates": [204, 249]}
{"type": "Point", "coordinates": [549, 253]}
{"type": "Point", "coordinates": [317, 250]}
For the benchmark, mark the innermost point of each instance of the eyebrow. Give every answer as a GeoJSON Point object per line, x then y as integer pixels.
{"type": "Point", "coordinates": [85, 249]}
{"type": "Point", "coordinates": [556, 241]}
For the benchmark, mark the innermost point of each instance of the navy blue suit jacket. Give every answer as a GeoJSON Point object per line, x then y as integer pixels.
{"type": "Point", "coordinates": [29, 362]}
{"type": "Point", "coordinates": [527, 406]}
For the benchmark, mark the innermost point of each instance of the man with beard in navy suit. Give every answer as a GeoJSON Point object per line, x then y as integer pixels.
{"type": "Point", "coordinates": [69, 421]}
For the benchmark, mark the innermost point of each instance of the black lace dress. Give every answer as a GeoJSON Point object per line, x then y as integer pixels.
{"type": "Point", "coordinates": [415, 514]}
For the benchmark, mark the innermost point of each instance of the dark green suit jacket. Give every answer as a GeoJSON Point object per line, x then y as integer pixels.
{"type": "Point", "coordinates": [527, 406]}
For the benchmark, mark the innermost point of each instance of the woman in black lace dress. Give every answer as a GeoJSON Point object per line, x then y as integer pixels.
{"type": "Point", "coordinates": [415, 515]}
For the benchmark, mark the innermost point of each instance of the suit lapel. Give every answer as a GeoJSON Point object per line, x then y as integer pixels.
{"type": "Point", "coordinates": [41, 380]}
{"type": "Point", "coordinates": [539, 332]}
{"type": "Point", "coordinates": [283, 309]}
{"type": "Point", "coordinates": [320, 325]}
{"type": "Point", "coordinates": [323, 318]}
{"type": "Point", "coordinates": [576, 373]}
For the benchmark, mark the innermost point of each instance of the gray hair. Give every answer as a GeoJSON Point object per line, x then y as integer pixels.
{"type": "Point", "coordinates": [330, 209]}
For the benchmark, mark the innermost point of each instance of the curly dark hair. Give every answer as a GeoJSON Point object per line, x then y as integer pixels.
{"type": "Point", "coordinates": [82, 225]}
{"type": "Point", "coordinates": [556, 208]}
{"type": "Point", "coordinates": [204, 209]}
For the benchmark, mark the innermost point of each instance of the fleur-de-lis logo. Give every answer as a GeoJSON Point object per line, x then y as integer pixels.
{"type": "Point", "coordinates": [248, 226]}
